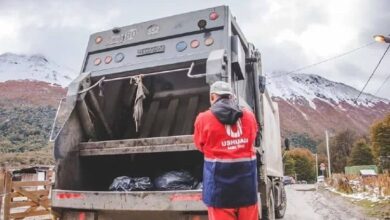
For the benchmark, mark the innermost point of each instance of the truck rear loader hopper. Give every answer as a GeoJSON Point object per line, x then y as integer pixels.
{"type": "Point", "coordinates": [131, 113]}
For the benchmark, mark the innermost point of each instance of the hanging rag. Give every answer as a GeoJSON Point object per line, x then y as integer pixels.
{"type": "Point", "coordinates": [138, 102]}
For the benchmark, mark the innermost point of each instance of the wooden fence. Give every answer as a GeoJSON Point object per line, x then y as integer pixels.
{"type": "Point", "coordinates": [23, 199]}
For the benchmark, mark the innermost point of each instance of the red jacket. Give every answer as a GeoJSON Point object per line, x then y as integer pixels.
{"type": "Point", "coordinates": [218, 141]}
{"type": "Point", "coordinates": [229, 175]}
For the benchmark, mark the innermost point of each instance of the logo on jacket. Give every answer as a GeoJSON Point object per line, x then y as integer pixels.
{"type": "Point", "coordinates": [234, 134]}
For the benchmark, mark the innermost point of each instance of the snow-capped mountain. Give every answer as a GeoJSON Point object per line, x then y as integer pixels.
{"type": "Point", "coordinates": [309, 87]}
{"type": "Point", "coordinates": [34, 67]}
{"type": "Point", "coordinates": [311, 104]}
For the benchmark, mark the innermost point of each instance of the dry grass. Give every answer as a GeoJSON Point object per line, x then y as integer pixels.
{"type": "Point", "coordinates": [381, 181]}
{"type": "Point", "coordinates": [42, 157]}
{"type": "Point", "coordinates": [370, 193]}
{"type": "Point", "coordinates": [378, 185]}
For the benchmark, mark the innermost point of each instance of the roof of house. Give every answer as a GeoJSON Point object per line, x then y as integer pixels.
{"type": "Point", "coordinates": [368, 172]}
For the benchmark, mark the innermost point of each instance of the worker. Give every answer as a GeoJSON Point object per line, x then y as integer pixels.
{"type": "Point", "coordinates": [225, 134]}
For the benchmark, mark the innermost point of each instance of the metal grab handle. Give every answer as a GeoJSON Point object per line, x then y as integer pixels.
{"type": "Point", "coordinates": [103, 79]}
{"type": "Point", "coordinates": [194, 76]}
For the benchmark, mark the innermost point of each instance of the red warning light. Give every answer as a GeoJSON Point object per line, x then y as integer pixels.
{"type": "Point", "coordinates": [108, 59]}
{"type": "Point", "coordinates": [213, 16]}
{"type": "Point", "coordinates": [195, 44]}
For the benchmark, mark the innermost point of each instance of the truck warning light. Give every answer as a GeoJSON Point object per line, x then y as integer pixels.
{"type": "Point", "coordinates": [213, 16]}
{"type": "Point", "coordinates": [108, 59]}
{"type": "Point", "coordinates": [97, 61]}
{"type": "Point", "coordinates": [98, 39]}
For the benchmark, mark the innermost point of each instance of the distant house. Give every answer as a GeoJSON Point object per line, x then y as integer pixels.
{"type": "Point", "coordinates": [36, 173]}
{"type": "Point", "coordinates": [364, 170]}
{"type": "Point", "coordinates": [368, 173]}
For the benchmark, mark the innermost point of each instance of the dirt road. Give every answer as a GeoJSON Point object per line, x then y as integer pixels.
{"type": "Point", "coordinates": [305, 202]}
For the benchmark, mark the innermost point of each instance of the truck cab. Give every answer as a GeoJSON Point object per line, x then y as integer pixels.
{"type": "Point", "coordinates": [131, 111]}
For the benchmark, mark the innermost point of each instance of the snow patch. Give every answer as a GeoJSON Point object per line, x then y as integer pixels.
{"type": "Point", "coordinates": [304, 115]}
{"type": "Point", "coordinates": [312, 105]}
{"type": "Point", "coordinates": [342, 108]}
{"type": "Point", "coordinates": [372, 197]}
{"type": "Point", "coordinates": [35, 67]}
{"type": "Point", "coordinates": [297, 86]}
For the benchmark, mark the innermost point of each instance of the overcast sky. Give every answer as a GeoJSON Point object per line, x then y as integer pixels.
{"type": "Point", "coordinates": [289, 33]}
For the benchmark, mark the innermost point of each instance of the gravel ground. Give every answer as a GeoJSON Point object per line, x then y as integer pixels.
{"type": "Point", "coordinates": [308, 202]}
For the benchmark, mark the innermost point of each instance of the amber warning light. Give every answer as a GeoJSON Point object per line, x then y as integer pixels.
{"type": "Point", "coordinates": [98, 39]}
{"type": "Point", "coordinates": [209, 41]}
{"type": "Point", "coordinates": [97, 61]}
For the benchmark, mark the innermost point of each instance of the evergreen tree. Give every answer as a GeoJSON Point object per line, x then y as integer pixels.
{"type": "Point", "coordinates": [361, 154]}
{"type": "Point", "coordinates": [303, 140]}
{"type": "Point", "coordinates": [380, 138]}
{"type": "Point", "coordinates": [340, 149]}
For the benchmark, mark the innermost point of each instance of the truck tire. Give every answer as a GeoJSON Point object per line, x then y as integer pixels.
{"type": "Point", "coordinates": [269, 213]}
{"type": "Point", "coordinates": [281, 209]}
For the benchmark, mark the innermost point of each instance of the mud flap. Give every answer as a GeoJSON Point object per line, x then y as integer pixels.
{"type": "Point", "coordinates": [268, 200]}
{"type": "Point", "coordinates": [79, 215]}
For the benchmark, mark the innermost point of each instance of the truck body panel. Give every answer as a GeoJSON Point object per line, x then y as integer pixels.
{"type": "Point", "coordinates": [271, 137]}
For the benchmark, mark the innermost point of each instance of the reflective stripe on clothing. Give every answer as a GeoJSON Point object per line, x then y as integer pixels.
{"type": "Point", "coordinates": [230, 160]}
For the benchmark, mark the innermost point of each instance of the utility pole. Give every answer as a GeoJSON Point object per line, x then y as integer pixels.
{"type": "Point", "coordinates": [327, 151]}
{"type": "Point", "coordinates": [316, 167]}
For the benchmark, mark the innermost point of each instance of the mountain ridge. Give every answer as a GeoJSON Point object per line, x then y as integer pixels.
{"type": "Point", "coordinates": [310, 104]}
{"type": "Point", "coordinates": [287, 87]}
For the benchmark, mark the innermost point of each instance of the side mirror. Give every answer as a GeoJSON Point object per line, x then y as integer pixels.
{"type": "Point", "coordinates": [262, 84]}
{"type": "Point", "coordinates": [287, 143]}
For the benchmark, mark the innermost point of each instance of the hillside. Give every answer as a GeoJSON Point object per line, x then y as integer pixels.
{"type": "Point", "coordinates": [30, 93]}
{"type": "Point", "coordinates": [27, 110]}
{"type": "Point", "coordinates": [309, 104]}
{"type": "Point", "coordinates": [30, 90]}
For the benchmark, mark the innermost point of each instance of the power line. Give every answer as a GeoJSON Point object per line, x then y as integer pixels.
{"type": "Point", "coordinates": [384, 82]}
{"type": "Point", "coordinates": [324, 61]}
{"type": "Point", "coordinates": [373, 72]}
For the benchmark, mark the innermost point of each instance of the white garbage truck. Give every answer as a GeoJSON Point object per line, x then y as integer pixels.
{"type": "Point", "coordinates": [131, 110]}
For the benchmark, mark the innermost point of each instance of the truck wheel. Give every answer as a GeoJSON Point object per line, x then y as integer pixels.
{"type": "Point", "coordinates": [281, 209]}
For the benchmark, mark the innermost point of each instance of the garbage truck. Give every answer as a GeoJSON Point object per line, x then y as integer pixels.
{"type": "Point", "coordinates": [131, 110]}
